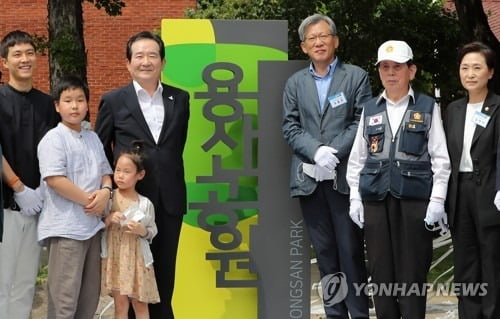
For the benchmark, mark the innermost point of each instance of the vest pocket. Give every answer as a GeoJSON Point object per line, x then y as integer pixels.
{"type": "Point", "coordinates": [415, 180]}
{"type": "Point", "coordinates": [414, 138]}
{"type": "Point", "coordinates": [373, 181]}
{"type": "Point", "coordinates": [376, 136]}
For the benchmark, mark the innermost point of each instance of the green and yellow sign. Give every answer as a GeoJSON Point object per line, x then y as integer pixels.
{"type": "Point", "coordinates": [220, 63]}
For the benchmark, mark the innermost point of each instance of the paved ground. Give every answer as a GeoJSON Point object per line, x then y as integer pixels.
{"type": "Point", "coordinates": [439, 307]}
{"type": "Point", "coordinates": [40, 305]}
{"type": "Point", "coordinates": [39, 310]}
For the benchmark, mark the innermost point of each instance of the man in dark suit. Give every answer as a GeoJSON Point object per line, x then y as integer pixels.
{"type": "Point", "coordinates": [322, 107]}
{"type": "Point", "coordinates": [157, 114]}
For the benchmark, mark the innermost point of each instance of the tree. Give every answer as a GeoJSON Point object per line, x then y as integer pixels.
{"type": "Point", "coordinates": [362, 26]}
{"type": "Point", "coordinates": [66, 43]}
{"type": "Point", "coordinates": [474, 25]}
{"type": "Point", "coordinates": [434, 35]}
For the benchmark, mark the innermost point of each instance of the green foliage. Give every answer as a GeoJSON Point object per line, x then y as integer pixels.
{"type": "Point", "coordinates": [363, 25]}
{"type": "Point", "coordinates": [434, 36]}
{"type": "Point", "coordinates": [43, 272]}
{"type": "Point", "coordinates": [112, 7]}
{"type": "Point", "coordinates": [68, 52]}
{"type": "Point", "coordinates": [236, 9]}
{"type": "Point", "coordinates": [41, 43]}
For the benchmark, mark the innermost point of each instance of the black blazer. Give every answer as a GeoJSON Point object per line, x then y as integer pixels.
{"type": "Point", "coordinates": [120, 121]}
{"type": "Point", "coordinates": [484, 150]}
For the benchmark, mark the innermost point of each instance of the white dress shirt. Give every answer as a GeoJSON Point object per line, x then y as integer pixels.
{"type": "Point", "coordinates": [152, 108]}
{"type": "Point", "coordinates": [469, 128]}
{"type": "Point", "coordinates": [440, 161]}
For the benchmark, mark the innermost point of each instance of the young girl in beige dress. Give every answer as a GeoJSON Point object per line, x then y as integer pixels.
{"type": "Point", "coordinates": [127, 264]}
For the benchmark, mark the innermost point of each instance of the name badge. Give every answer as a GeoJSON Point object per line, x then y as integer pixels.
{"type": "Point", "coordinates": [480, 119]}
{"type": "Point", "coordinates": [337, 100]}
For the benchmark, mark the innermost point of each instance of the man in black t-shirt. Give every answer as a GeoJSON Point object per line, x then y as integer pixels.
{"type": "Point", "coordinates": [26, 114]}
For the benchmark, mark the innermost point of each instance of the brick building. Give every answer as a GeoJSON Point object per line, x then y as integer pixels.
{"type": "Point", "coordinates": [492, 10]}
{"type": "Point", "coordinates": [105, 37]}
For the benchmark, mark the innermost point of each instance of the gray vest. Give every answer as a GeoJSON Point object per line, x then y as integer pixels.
{"type": "Point", "coordinates": [397, 163]}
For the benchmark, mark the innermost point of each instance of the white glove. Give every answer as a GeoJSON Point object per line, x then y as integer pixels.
{"type": "Point", "coordinates": [29, 200]}
{"type": "Point", "coordinates": [436, 214]}
{"type": "Point", "coordinates": [325, 157]}
{"type": "Point", "coordinates": [443, 225]}
{"type": "Point", "coordinates": [356, 212]}
{"type": "Point", "coordinates": [323, 174]}
{"type": "Point", "coordinates": [497, 200]}
{"type": "Point", "coordinates": [435, 211]}
{"type": "Point", "coordinates": [39, 192]}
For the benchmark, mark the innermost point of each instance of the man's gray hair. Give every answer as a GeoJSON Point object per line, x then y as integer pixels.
{"type": "Point", "coordinates": [313, 19]}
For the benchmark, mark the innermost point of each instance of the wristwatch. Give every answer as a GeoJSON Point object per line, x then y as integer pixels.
{"type": "Point", "coordinates": [110, 190]}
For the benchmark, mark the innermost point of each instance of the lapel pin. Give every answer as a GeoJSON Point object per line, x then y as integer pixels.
{"type": "Point", "coordinates": [171, 98]}
{"type": "Point", "coordinates": [487, 108]}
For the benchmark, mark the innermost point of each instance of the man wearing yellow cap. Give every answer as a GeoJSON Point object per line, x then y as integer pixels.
{"type": "Point", "coordinates": [398, 173]}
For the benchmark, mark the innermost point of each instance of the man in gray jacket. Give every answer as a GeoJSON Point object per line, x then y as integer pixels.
{"type": "Point", "coordinates": [322, 108]}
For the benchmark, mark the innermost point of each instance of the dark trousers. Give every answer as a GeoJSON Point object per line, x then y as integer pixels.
{"type": "Point", "coordinates": [338, 244]}
{"type": "Point", "coordinates": [476, 255]}
{"type": "Point", "coordinates": [164, 249]}
{"type": "Point", "coordinates": [399, 250]}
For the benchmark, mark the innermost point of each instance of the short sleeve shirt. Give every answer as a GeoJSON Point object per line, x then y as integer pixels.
{"type": "Point", "coordinates": [80, 157]}
{"type": "Point", "coordinates": [25, 117]}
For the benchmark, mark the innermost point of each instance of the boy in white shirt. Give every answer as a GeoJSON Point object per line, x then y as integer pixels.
{"type": "Point", "coordinates": [77, 187]}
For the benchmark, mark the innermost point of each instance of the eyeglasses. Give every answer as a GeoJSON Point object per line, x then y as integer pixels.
{"type": "Point", "coordinates": [321, 37]}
